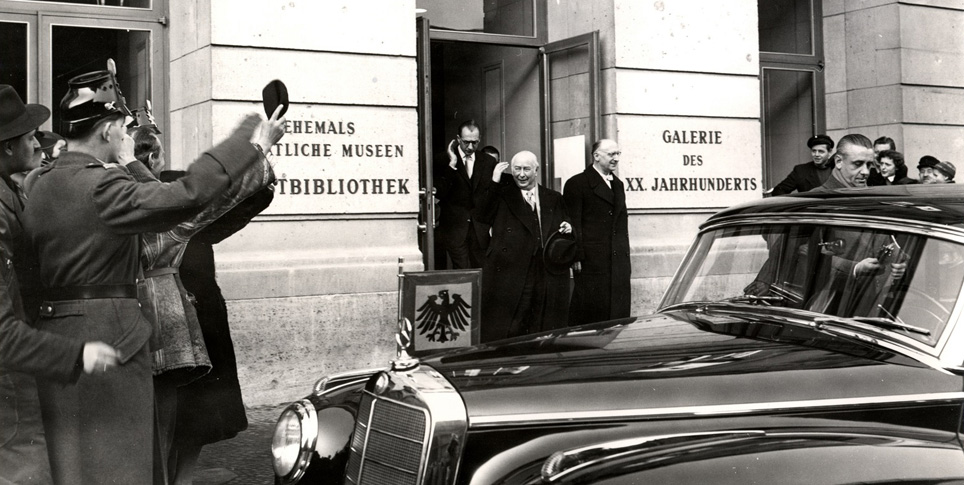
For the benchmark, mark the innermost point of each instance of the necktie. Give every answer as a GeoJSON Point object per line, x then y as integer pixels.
{"type": "Point", "coordinates": [469, 164]}
{"type": "Point", "coordinates": [530, 199]}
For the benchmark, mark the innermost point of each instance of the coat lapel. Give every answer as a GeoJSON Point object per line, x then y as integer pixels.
{"type": "Point", "coordinates": [521, 210]}
{"type": "Point", "coordinates": [599, 187]}
{"type": "Point", "coordinates": [545, 211]}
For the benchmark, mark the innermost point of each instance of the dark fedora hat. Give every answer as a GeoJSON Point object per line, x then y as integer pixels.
{"type": "Point", "coordinates": [17, 118]}
{"type": "Point", "coordinates": [560, 252]}
{"type": "Point", "coordinates": [90, 98]}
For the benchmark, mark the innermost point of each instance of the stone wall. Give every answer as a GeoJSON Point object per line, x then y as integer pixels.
{"type": "Point", "coordinates": [896, 68]}
{"type": "Point", "coordinates": [311, 285]}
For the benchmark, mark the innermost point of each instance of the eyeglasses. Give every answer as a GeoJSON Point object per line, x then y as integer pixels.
{"type": "Point", "coordinates": [611, 154]}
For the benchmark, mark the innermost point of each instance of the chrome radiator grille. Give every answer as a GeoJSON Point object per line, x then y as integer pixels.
{"type": "Point", "coordinates": [388, 444]}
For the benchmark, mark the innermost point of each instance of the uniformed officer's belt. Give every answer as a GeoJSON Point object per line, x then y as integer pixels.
{"type": "Point", "coordinates": [90, 292]}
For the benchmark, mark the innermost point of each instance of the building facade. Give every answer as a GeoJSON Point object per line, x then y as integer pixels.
{"type": "Point", "coordinates": [711, 102]}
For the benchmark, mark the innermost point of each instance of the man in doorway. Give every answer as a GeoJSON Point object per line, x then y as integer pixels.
{"type": "Point", "coordinates": [852, 162]}
{"type": "Point", "coordinates": [459, 178]}
{"type": "Point", "coordinates": [596, 201]}
{"type": "Point", "coordinates": [814, 173]}
{"type": "Point", "coordinates": [519, 295]}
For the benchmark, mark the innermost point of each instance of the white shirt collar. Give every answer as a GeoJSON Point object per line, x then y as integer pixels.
{"type": "Point", "coordinates": [607, 178]}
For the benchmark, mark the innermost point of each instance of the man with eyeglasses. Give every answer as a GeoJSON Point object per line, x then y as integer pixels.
{"type": "Point", "coordinates": [459, 177]}
{"type": "Point", "coordinates": [596, 201]}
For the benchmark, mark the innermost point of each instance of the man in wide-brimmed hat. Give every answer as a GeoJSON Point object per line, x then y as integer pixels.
{"type": "Point", "coordinates": [24, 351]}
{"type": "Point", "coordinates": [83, 219]}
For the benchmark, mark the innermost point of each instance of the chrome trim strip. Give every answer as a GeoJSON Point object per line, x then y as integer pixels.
{"type": "Point", "coordinates": [848, 220]}
{"type": "Point", "coordinates": [592, 455]}
{"type": "Point", "coordinates": [707, 410]}
{"type": "Point", "coordinates": [321, 385]}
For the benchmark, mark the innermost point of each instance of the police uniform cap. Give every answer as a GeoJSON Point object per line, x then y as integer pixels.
{"type": "Point", "coordinates": [90, 98]}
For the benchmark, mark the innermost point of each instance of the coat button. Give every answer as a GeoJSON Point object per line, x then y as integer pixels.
{"type": "Point", "coordinates": [505, 249]}
{"type": "Point", "coordinates": [610, 212]}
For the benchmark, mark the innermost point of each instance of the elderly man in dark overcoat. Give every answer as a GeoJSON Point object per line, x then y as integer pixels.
{"type": "Point", "coordinates": [83, 220]}
{"type": "Point", "coordinates": [460, 176]}
{"type": "Point", "coordinates": [519, 296]}
{"type": "Point", "coordinates": [596, 201]}
{"type": "Point", "coordinates": [26, 352]}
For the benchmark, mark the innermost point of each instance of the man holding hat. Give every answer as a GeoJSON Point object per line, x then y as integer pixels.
{"type": "Point", "coordinates": [521, 293]}
{"type": "Point", "coordinates": [23, 349]}
{"type": "Point", "coordinates": [83, 221]}
{"type": "Point", "coordinates": [596, 201]}
{"type": "Point", "coordinates": [807, 176]}
{"type": "Point", "coordinates": [934, 171]}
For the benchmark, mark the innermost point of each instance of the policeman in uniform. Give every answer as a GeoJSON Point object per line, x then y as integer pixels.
{"type": "Point", "coordinates": [24, 351]}
{"type": "Point", "coordinates": [83, 220]}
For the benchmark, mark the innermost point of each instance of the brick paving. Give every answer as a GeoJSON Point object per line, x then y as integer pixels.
{"type": "Point", "coordinates": [244, 460]}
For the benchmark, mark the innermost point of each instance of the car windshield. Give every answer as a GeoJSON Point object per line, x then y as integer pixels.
{"type": "Point", "coordinates": [909, 279]}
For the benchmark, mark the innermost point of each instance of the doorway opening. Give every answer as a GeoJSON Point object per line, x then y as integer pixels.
{"type": "Point", "coordinates": [542, 98]}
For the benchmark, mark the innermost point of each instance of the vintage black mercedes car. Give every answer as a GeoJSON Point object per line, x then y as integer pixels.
{"type": "Point", "coordinates": [809, 339]}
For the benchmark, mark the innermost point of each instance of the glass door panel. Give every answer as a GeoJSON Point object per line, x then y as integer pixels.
{"type": "Point", "coordinates": [17, 68]}
{"type": "Point", "coordinates": [788, 120]}
{"type": "Point", "coordinates": [143, 4]}
{"type": "Point", "coordinates": [76, 49]}
{"type": "Point", "coordinates": [570, 78]}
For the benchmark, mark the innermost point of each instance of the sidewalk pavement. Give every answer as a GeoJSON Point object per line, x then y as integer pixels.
{"type": "Point", "coordinates": [245, 459]}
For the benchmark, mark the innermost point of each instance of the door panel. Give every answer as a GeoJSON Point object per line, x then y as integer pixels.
{"type": "Point", "coordinates": [570, 70]}
{"type": "Point", "coordinates": [73, 46]}
{"type": "Point", "coordinates": [789, 119]}
{"type": "Point", "coordinates": [427, 217]}
{"type": "Point", "coordinates": [18, 65]}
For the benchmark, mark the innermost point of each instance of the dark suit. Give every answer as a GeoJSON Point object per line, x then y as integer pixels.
{"type": "Point", "coordinates": [459, 232]}
{"type": "Point", "coordinates": [601, 225]}
{"type": "Point", "coordinates": [518, 295]}
{"type": "Point", "coordinates": [803, 178]}
{"type": "Point", "coordinates": [83, 220]}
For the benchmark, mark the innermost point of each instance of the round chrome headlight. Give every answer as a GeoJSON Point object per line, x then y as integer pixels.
{"type": "Point", "coordinates": [294, 440]}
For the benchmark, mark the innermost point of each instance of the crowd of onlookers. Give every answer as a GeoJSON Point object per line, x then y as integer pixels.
{"type": "Point", "coordinates": [858, 162]}
{"type": "Point", "coordinates": [116, 357]}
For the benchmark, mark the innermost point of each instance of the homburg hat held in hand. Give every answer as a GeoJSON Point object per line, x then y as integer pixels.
{"type": "Point", "coordinates": [17, 118]}
{"type": "Point", "coordinates": [560, 252]}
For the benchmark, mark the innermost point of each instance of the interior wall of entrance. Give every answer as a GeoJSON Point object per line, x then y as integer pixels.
{"type": "Point", "coordinates": [497, 86]}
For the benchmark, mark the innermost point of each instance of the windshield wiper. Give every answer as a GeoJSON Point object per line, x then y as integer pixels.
{"type": "Point", "coordinates": [876, 321]}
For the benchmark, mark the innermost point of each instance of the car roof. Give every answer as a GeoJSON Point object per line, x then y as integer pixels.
{"type": "Point", "coordinates": [941, 204]}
